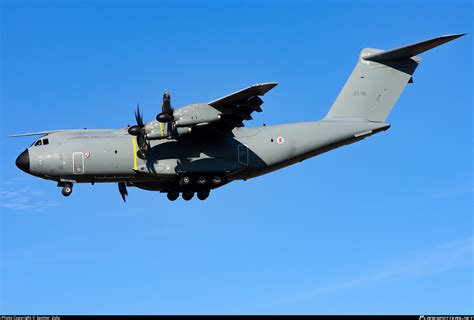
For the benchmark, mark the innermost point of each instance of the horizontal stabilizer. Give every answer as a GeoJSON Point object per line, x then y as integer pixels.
{"type": "Point", "coordinates": [411, 50]}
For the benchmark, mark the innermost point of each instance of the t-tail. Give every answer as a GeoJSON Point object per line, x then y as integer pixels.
{"type": "Point", "coordinates": [378, 79]}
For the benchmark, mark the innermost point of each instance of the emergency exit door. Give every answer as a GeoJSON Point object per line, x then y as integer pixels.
{"type": "Point", "coordinates": [78, 163]}
{"type": "Point", "coordinates": [243, 154]}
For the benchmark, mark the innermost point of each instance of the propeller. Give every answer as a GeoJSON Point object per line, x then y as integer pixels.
{"type": "Point", "coordinates": [166, 115]}
{"type": "Point", "coordinates": [138, 130]}
{"type": "Point", "coordinates": [123, 190]}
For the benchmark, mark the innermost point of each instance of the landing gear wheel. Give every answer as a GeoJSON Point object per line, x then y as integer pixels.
{"type": "Point", "coordinates": [67, 190]}
{"type": "Point", "coordinates": [216, 180]}
{"type": "Point", "coordinates": [203, 194]}
{"type": "Point", "coordinates": [187, 195]}
{"type": "Point", "coordinates": [185, 181]}
{"type": "Point", "coordinates": [173, 195]}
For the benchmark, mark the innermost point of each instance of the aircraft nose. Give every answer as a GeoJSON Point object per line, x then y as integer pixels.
{"type": "Point", "coordinates": [23, 161]}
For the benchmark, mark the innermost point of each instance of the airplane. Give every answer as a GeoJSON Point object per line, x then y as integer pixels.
{"type": "Point", "coordinates": [200, 147]}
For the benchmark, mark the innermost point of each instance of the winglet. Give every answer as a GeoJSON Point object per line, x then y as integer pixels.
{"type": "Point", "coordinates": [411, 50]}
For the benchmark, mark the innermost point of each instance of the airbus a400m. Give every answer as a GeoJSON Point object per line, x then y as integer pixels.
{"type": "Point", "coordinates": [200, 147]}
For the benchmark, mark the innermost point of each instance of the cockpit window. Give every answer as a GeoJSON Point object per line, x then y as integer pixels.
{"type": "Point", "coordinates": [40, 142]}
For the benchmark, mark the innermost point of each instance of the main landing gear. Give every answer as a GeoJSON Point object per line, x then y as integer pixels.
{"type": "Point", "coordinates": [188, 194]}
{"type": "Point", "coordinates": [199, 184]}
{"type": "Point", "coordinates": [195, 183]}
{"type": "Point", "coordinates": [203, 194]}
{"type": "Point", "coordinates": [67, 189]}
{"type": "Point", "coordinates": [173, 195]}
{"type": "Point", "coordinates": [201, 181]}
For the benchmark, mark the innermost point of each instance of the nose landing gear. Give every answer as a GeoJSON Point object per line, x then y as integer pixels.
{"type": "Point", "coordinates": [67, 189]}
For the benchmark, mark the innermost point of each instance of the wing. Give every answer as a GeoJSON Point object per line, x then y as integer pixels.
{"type": "Point", "coordinates": [238, 106]}
{"type": "Point", "coordinates": [39, 133]}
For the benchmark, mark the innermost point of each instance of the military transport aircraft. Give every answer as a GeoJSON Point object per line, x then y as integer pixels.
{"type": "Point", "coordinates": [204, 146]}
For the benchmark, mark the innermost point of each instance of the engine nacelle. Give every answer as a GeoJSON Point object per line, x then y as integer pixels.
{"type": "Point", "coordinates": [182, 130]}
{"type": "Point", "coordinates": [157, 130]}
{"type": "Point", "coordinates": [196, 114]}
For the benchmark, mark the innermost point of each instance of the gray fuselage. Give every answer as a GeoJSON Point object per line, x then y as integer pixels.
{"type": "Point", "coordinates": [111, 155]}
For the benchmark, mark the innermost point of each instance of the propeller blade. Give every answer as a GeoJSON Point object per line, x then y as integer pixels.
{"type": "Point", "coordinates": [166, 104]}
{"type": "Point", "coordinates": [138, 130]}
{"type": "Point", "coordinates": [166, 115]}
{"type": "Point", "coordinates": [123, 190]}
{"type": "Point", "coordinates": [138, 117]}
{"type": "Point", "coordinates": [142, 144]}
{"type": "Point", "coordinates": [169, 128]}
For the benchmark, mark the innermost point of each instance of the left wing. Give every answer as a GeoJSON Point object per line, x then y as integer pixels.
{"type": "Point", "coordinates": [39, 133]}
{"type": "Point", "coordinates": [238, 106]}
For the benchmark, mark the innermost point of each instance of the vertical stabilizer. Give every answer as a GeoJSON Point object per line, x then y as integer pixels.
{"type": "Point", "coordinates": [378, 79]}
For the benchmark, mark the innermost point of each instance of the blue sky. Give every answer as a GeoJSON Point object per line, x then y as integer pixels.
{"type": "Point", "coordinates": [381, 226]}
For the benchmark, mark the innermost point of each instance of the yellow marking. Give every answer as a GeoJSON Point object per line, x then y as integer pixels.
{"type": "Point", "coordinates": [161, 128]}
{"type": "Point", "coordinates": [134, 142]}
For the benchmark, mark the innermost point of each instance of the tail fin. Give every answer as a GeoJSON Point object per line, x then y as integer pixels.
{"type": "Point", "coordinates": [378, 79]}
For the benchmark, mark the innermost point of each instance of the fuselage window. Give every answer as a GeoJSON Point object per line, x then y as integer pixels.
{"type": "Point", "coordinates": [45, 142]}
{"type": "Point", "coordinates": [38, 143]}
